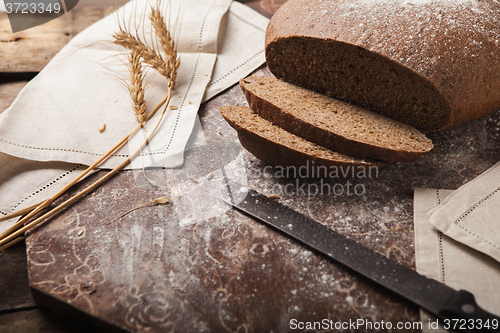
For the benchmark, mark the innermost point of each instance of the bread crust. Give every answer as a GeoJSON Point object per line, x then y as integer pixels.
{"type": "Point", "coordinates": [451, 45]}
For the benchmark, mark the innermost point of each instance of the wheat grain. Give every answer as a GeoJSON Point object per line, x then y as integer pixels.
{"type": "Point", "coordinates": [159, 201]}
{"type": "Point", "coordinates": [135, 87]}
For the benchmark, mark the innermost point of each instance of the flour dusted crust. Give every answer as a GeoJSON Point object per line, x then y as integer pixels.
{"type": "Point", "coordinates": [433, 64]}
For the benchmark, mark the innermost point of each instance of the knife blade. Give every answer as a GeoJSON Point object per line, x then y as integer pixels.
{"type": "Point", "coordinates": [457, 309]}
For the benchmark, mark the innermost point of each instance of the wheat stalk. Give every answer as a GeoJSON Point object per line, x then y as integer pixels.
{"type": "Point", "coordinates": [32, 210]}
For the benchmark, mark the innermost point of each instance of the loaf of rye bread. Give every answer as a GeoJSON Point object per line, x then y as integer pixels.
{"type": "Point", "coordinates": [333, 124]}
{"type": "Point", "coordinates": [278, 147]}
{"type": "Point", "coordinates": [432, 64]}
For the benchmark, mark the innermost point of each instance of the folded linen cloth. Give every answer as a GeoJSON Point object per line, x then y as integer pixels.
{"type": "Point", "coordinates": [57, 116]}
{"type": "Point", "coordinates": [455, 237]}
{"type": "Point", "coordinates": [52, 129]}
{"type": "Point", "coordinates": [470, 215]}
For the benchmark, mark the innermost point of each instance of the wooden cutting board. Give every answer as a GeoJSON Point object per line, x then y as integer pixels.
{"type": "Point", "coordinates": [194, 265]}
{"type": "Point", "coordinates": [161, 269]}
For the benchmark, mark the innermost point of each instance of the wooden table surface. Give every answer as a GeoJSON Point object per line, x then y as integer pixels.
{"type": "Point", "coordinates": [23, 55]}
{"type": "Point", "coordinates": [227, 272]}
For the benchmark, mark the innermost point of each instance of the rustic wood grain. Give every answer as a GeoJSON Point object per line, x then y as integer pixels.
{"type": "Point", "coordinates": [23, 55]}
{"type": "Point", "coordinates": [14, 286]}
{"type": "Point", "coordinates": [9, 92]}
{"type": "Point", "coordinates": [38, 320]}
{"type": "Point", "coordinates": [32, 49]}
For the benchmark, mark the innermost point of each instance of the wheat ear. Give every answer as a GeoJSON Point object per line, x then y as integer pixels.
{"type": "Point", "coordinates": [135, 87]}
{"type": "Point", "coordinates": [150, 56]}
{"type": "Point", "coordinates": [167, 43]}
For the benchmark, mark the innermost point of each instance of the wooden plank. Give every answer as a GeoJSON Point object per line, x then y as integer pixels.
{"type": "Point", "coordinates": [8, 92]}
{"type": "Point", "coordinates": [14, 283]}
{"type": "Point", "coordinates": [37, 320]}
{"type": "Point", "coordinates": [32, 49]}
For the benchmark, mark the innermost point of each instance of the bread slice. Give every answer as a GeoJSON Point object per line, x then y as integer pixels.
{"type": "Point", "coordinates": [333, 124]}
{"type": "Point", "coordinates": [280, 148]}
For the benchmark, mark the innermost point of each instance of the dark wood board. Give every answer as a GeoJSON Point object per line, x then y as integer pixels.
{"type": "Point", "coordinates": [14, 279]}
{"type": "Point", "coordinates": [153, 272]}
{"type": "Point", "coordinates": [37, 320]}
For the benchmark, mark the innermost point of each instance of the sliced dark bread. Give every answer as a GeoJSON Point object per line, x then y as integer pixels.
{"type": "Point", "coordinates": [278, 147]}
{"type": "Point", "coordinates": [333, 124]}
{"type": "Point", "coordinates": [430, 64]}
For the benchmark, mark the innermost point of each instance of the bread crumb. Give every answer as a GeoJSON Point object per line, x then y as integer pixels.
{"type": "Point", "coordinates": [210, 175]}
{"type": "Point", "coordinates": [102, 128]}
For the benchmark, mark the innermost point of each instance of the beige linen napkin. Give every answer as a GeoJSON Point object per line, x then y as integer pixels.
{"type": "Point", "coordinates": [471, 214]}
{"type": "Point", "coordinates": [57, 116]}
{"type": "Point", "coordinates": [48, 122]}
{"type": "Point", "coordinates": [452, 260]}
{"type": "Point", "coordinates": [241, 48]}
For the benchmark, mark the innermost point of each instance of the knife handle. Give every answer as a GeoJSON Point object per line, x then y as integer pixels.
{"type": "Point", "coordinates": [464, 315]}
